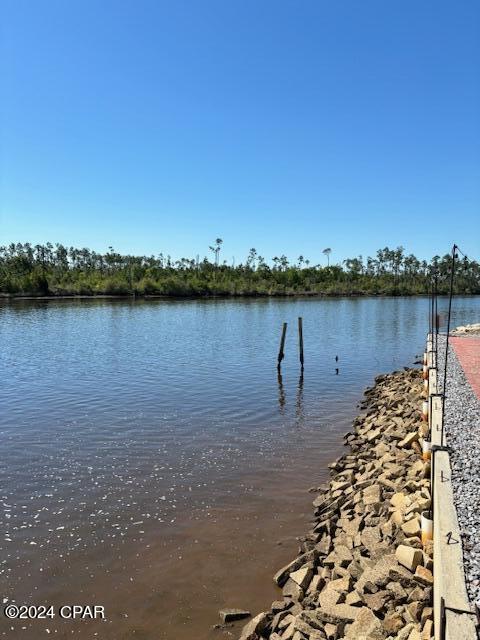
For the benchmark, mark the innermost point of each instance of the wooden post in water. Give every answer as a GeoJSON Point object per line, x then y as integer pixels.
{"type": "Point", "coordinates": [300, 339]}
{"type": "Point", "coordinates": [282, 345]}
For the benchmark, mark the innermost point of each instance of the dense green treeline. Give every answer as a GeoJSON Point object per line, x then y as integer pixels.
{"type": "Point", "coordinates": [57, 270]}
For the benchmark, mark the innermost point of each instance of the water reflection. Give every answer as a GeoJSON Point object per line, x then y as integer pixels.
{"type": "Point", "coordinates": [299, 407]}
{"type": "Point", "coordinates": [125, 422]}
{"type": "Point", "coordinates": [281, 391]}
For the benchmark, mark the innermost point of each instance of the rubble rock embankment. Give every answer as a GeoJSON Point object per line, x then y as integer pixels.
{"type": "Point", "coordinates": [361, 571]}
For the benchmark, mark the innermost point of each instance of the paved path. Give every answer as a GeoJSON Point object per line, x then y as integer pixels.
{"type": "Point", "coordinates": [468, 353]}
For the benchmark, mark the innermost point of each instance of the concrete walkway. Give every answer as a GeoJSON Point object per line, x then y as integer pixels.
{"type": "Point", "coordinates": [468, 353]}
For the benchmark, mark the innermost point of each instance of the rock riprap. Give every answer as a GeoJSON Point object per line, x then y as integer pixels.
{"type": "Point", "coordinates": [467, 329]}
{"type": "Point", "coordinates": [361, 572]}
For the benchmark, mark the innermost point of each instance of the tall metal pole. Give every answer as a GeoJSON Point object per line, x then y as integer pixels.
{"type": "Point", "coordinates": [437, 321]}
{"type": "Point", "coordinates": [444, 399]}
{"type": "Point", "coordinates": [431, 313]}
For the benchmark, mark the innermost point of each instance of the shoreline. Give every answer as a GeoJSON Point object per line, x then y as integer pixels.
{"type": "Point", "coordinates": [362, 570]}
{"type": "Point", "coordinates": [6, 297]}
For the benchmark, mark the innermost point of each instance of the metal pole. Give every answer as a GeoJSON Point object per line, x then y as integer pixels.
{"type": "Point", "coordinates": [436, 318]}
{"type": "Point", "coordinates": [432, 483]}
{"type": "Point", "coordinates": [452, 273]}
{"type": "Point", "coordinates": [431, 315]}
{"type": "Point", "coordinates": [441, 631]}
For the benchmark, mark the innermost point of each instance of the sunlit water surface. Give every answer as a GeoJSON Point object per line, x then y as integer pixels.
{"type": "Point", "coordinates": [155, 463]}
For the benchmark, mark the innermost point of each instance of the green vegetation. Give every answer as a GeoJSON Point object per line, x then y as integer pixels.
{"type": "Point", "coordinates": [57, 270]}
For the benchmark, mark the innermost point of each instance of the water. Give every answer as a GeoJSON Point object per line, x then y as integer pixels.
{"type": "Point", "coordinates": [155, 463]}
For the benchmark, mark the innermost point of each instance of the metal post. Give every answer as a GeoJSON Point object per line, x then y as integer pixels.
{"type": "Point", "coordinates": [437, 322]}
{"type": "Point", "coordinates": [441, 631]}
{"type": "Point", "coordinates": [452, 273]}
{"type": "Point", "coordinates": [431, 315]}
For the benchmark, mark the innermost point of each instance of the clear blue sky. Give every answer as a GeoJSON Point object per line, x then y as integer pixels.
{"type": "Point", "coordinates": [282, 125]}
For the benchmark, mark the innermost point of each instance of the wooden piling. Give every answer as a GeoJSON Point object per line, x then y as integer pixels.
{"type": "Point", "coordinates": [281, 353]}
{"type": "Point", "coordinates": [300, 340]}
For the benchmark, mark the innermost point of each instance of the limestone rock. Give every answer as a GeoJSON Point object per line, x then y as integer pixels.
{"type": "Point", "coordinates": [408, 557]}
{"type": "Point", "coordinates": [317, 583]}
{"type": "Point", "coordinates": [371, 537]}
{"type": "Point", "coordinates": [352, 527]}
{"type": "Point", "coordinates": [423, 576]}
{"type": "Point", "coordinates": [279, 618]}
{"type": "Point", "coordinates": [427, 614]}
{"type": "Point", "coordinates": [429, 548]}
{"type": "Point", "coordinates": [414, 542]}
{"type": "Point", "coordinates": [413, 610]}
{"type": "Point", "coordinates": [377, 575]}
{"type": "Point", "coordinates": [411, 528]}
{"type": "Point", "coordinates": [353, 599]}
{"type": "Point", "coordinates": [409, 439]}
{"type": "Point", "coordinates": [304, 627]}
{"type": "Point", "coordinates": [329, 597]}
{"type": "Point", "coordinates": [366, 626]}
{"type": "Point", "coordinates": [372, 494]}
{"type": "Point", "coordinates": [229, 615]}
{"type": "Point", "coordinates": [339, 613]}
{"type": "Point", "coordinates": [376, 601]}
{"type": "Point", "coordinates": [331, 631]}
{"type": "Point", "coordinates": [255, 627]}
{"type": "Point", "coordinates": [302, 576]}
{"type": "Point", "coordinates": [341, 556]}
{"type": "Point", "coordinates": [324, 546]}
{"type": "Point", "coordinates": [405, 632]}
{"type": "Point", "coordinates": [279, 605]}
{"type": "Point", "coordinates": [400, 501]}
{"type": "Point", "coordinates": [427, 562]}
{"type": "Point", "coordinates": [392, 623]}
{"type": "Point", "coordinates": [293, 590]}
{"type": "Point", "coordinates": [399, 593]}
{"type": "Point", "coordinates": [342, 585]}
{"type": "Point", "coordinates": [282, 575]}
{"type": "Point", "coordinates": [427, 631]}
{"type": "Point", "coordinates": [289, 632]}
{"type": "Point", "coordinates": [286, 622]}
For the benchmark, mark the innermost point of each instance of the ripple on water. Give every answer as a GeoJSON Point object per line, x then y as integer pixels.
{"type": "Point", "coordinates": [128, 426]}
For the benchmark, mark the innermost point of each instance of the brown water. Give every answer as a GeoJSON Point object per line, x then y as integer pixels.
{"type": "Point", "coordinates": [153, 462]}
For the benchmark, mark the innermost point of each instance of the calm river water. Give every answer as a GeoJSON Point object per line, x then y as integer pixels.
{"type": "Point", "coordinates": [154, 463]}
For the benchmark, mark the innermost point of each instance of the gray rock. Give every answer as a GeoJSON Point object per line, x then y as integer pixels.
{"type": "Point", "coordinates": [255, 627]}
{"type": "Point", "coordinates": [409, 557]}
{"type": "Point", "coordinates": [366, 625]}
{"type": "Point", "coordinates": [229, 615]}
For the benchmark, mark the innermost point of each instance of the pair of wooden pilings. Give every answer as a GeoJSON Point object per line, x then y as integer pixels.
{"type": "Point", "coordinates": [281, 352]}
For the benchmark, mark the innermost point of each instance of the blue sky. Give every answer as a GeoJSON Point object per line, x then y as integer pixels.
{"type": "Point", "coordinates": [286, 126]}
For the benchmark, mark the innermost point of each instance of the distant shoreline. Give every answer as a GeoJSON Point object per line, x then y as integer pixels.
{"type": "Point", "coordinates": [297, 294]}
{"type": "Point", "coordinates": [54, 272]}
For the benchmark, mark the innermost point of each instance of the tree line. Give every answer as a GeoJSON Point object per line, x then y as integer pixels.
{"type": "Point", "coordinates": [53, 269]}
